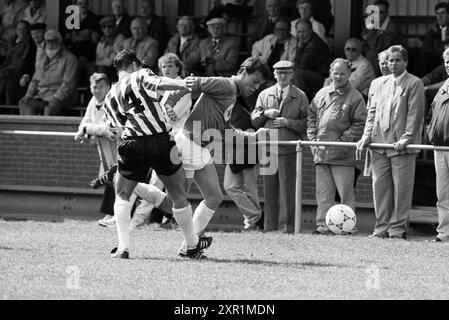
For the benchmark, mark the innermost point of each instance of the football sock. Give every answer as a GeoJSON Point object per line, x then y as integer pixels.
{"type": "Point", "coordinates": [122, 211]}
{"type": "Point", "coordinates": [183, 217]}
{"type": "Point", "coordinates": [201, 217]}
{"type": "Point", "coordinates": [150, 193]}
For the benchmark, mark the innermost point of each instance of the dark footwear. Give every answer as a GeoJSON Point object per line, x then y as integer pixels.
{"type": "Point", "coordinates": [119, 254]}
{"type": "Point", "coordinates": [106, 178]}
{"type": "Point", "coordinates": [197, 256]}
{"type": "Point", "coordinates": [259, 223]}
{"type": "Point", "coordinates": [322, 233]}
{"type": "Point", "coordinates": [398, 236]}
{"type": "Point", "coordinates": [203, 243]}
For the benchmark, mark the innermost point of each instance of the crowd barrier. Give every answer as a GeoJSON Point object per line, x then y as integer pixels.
{"type": "Point", "coordinates": [299, 163]}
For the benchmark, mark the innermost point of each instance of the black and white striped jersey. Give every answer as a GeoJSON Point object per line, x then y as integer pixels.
{"type": "Point", "coordinates": [133, 103]}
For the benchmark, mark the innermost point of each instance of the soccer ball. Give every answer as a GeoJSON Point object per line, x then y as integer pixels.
{"type": "Point", "coordinates": [341, 219]}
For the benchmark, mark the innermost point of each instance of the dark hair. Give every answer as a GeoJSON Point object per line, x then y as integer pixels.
{"type": "Point", "coordinates": [252, 65]}
{"type": "Point", "coordinates": [125, 59]}
{"type": "Point", "coordinates": [442, 5]}
{"type": "Point", "coordinates": [383, 3]}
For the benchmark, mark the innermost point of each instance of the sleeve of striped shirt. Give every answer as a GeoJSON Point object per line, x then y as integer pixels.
{"type": "Point", "coordinates": [150, 83]}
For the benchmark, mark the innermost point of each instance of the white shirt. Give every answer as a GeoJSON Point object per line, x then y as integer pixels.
{"type": "Point", "coordinates": [181, 108]}
{"type": "Point", "coordinates": [443, 33]}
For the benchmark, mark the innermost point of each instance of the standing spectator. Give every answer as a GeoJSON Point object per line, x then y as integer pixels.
{"type": "Point", "coordinates": [305, 9]}
{"type": "Point", "coordinates": [265, 24]}
{"type": "Point", "coordinates": [434, 80]}
{"type": "Point", "coordinates": [11, 12]}
{"type": "Point", "coordinates": [433, 45]}
{"type": "Point", "coordinates": [378, 40]}
{"type": "Point", "coordinates": [145, 47]}
{"type": "Point", "coordinates": [278, 46]}
{"type": "Point", "coordinates": [219, 54]}
{"type": "Point", "coordinates": [283, 107]}
{"type": "Point", "coordinates": [107, 48]}
{"type": "Point", "coordinates": [19, 60]}
{"type": "Point", "coordinates": [122, 19]}
{"type": "Point", "coordinates": [83, 42]}
{"type": "Point", "coordinates": [439, 136]}
{"type": "Point", "coordinates": [337, 113]}
{"type": "Point", "coordinates": [37, 32]}
{"type": "Point", "coordinates": [241, 172]}
{"type": "Point", "coordinates": [157, 28]}
{"type": "Point", "coordinates": [312, 59]}
{"type": "Point", "coordinates": [94, 128]}
{"type": "Point", "coordinates": [395, 116]}
{"type": "Point", "coordinates": [35, 12]}
{"type": "Point", "coordinates": [362, 72]}
{"type": "Point", "coordinates": [53, 86]}
{"type": "Point", "coordinates": [186, 45]}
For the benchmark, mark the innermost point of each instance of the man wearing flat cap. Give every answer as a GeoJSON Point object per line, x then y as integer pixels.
{"type": "Point", "coordinates": [219, 54]}
{"type": "Point", "coordinates": [282, 107]}
{"type": "Point", "coordinates": [108, 47]}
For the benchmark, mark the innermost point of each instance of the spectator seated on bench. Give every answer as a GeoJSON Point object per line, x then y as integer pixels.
{"type": "Point", "coordinates": [53, 86]}
{"type": "Point", "coordinates": [19, 60]}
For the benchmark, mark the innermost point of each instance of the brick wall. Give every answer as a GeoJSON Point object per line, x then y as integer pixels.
{"type": "Point", "coordinates": [51, 161]}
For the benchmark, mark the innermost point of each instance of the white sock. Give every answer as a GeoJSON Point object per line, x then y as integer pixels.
{"type": "Point", "coordinates": [183, 217]}
{"type": "Point", "coordinates": [150, 193]}
{"type": "Point", "coordinates": [201, 219]}
{"type": "Point", "coordinates": [122, 212]}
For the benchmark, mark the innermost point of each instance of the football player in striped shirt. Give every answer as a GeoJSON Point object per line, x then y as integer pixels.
{"type": "Point", "coordinates": [134, 112]}
{"type": "Point", "coordinates": [209, 117]}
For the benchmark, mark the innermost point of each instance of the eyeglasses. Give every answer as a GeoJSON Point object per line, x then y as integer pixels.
{"type": "Point", "coordinates": [51, 41]}
{"type": "Point", "coordinates": [351, 49]}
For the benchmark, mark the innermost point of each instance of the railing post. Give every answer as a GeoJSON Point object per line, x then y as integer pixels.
{"type": "Point", "coordinates": [298, 198]}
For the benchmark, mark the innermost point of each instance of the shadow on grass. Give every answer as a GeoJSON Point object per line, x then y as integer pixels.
{"type": "Point", "coordinates": [294, 265]}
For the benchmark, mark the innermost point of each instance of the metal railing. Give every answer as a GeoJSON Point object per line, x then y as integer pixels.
{"type": "Point", "coordinates": [299, 157]}
{"type": "Point", "coordinates": [299, 164]}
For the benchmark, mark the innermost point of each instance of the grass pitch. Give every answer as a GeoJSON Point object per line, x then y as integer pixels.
{"type": "Point", "coordinates": [70, 260]}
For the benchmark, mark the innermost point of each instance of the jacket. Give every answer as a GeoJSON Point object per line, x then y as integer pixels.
{"type": "Point", "coordinates": [55, 78]}
{"type": "Point", "coordinates": [190, 53]}
{"type": "Point", "coordinates": [338, 117]}
{"type": "Point", "coordinates": [314, 55]}
{"type": "Point", "coordinates": [293, 107]}
{"type": "Point", "coordinates": [146, 50]}
{"type": "Point", "coordinates": [438, 128]}
{"type": "Point", "coordinates": [224, 61]}
{"type": "Point", "coordinates": [407, 114]}
{"type": "Point", "coordinates": [264, 47]}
